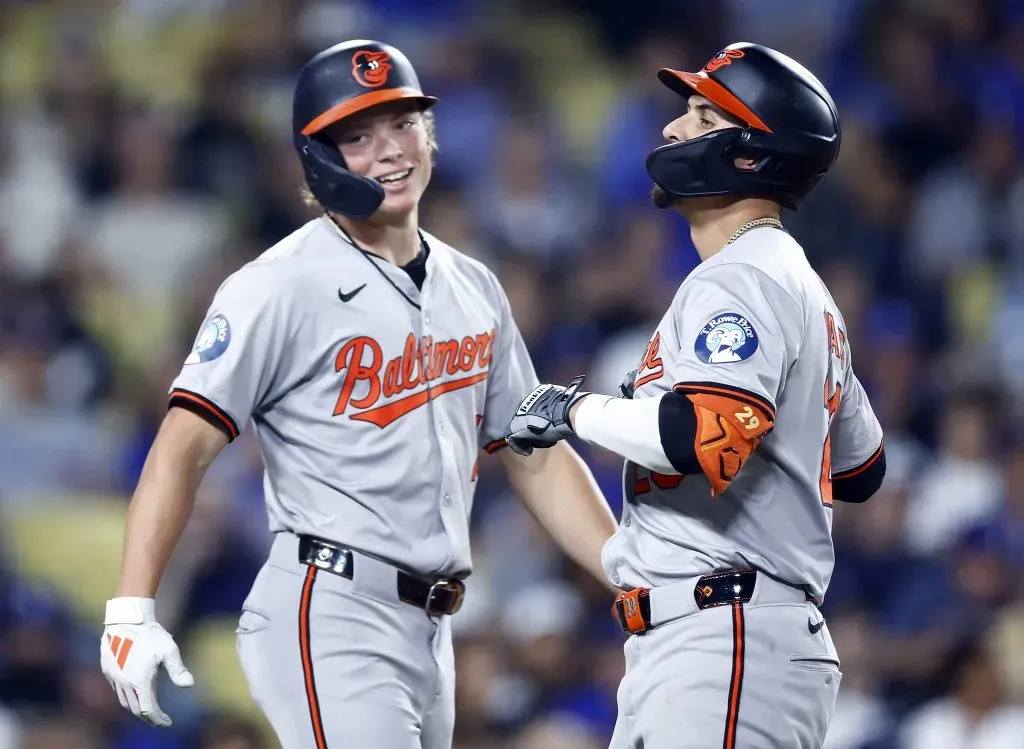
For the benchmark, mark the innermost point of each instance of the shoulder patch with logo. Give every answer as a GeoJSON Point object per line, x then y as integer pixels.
{"type": "Point", "coordinates": [212, 340]}
{"type": "Point", "coordinates": [726, 338]}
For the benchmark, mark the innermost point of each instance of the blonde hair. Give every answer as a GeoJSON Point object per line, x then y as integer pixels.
{"type": "Point", "coordinates": [429, 125]}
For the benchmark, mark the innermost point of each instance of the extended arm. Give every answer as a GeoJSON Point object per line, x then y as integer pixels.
{"type": "Point", "coordinates": [184, 448]}
{"type": "Point", "coordinates": [134, 645]}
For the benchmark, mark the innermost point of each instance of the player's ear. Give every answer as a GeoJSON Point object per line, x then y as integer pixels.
{"type": "Point", "coordinates": [747, 165]}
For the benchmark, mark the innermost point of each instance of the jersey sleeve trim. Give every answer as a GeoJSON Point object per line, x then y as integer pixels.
{"type": "Point", "coordinates": [862, 485]}
{"type": "Point", "coordinates": [856, 470]}
{"type": "Point", "coordinates": [205, 409]}
{"type": "Point", "coordinates": [494, 445]}
{"type": "Point", "coordinates": [717, 388]}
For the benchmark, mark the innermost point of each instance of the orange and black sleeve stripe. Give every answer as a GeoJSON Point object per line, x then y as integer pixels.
{"type": "Point", "coordinates": [729, 391]}
{"type": "Point", "coordinates": [205, 409]}
{"type": "Point", "coordinates": [858, 484]}
{"type": "Point", "coordinates": [495, 445]}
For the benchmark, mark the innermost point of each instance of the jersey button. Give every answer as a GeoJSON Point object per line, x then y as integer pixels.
{"type": "Point", "coordinates": [615, 578]}
{"type": "Point", "coordinates": [628, 520]}
{"type": "Point", "coordinates": [426, 318]}
{"type": "Point", "coordinates": [447, 499]}
{"type": "Point", "coordinates": [440, 427]}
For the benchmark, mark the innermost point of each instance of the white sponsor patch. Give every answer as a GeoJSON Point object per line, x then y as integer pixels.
{"type": "Point", "coordinates": [726, 338]}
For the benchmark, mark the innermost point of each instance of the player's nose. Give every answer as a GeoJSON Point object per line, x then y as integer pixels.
{"type": "Point", "coordinates": [390, 149]}
{"type": "Point", "coordinates": [675, 131]}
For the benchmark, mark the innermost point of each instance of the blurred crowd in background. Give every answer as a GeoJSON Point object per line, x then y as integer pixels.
{"type": "Point", "coordinates": [145, 153]}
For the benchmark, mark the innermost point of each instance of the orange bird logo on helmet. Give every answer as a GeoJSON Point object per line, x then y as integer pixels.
{"type": "Point", "coordinates": [370, 68]}
{"type": "Point", "coordinates": [722, 59]}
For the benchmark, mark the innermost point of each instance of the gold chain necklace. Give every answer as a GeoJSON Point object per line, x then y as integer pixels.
{"type": "Point", "coordinates": [757, 222]}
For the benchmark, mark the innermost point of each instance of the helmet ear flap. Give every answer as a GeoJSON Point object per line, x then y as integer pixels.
{"type": "Point", "coordinates": [743, 148]}
{"type": "Point", "coordinates": [331, 182]}
{"type": "Point", "coordinates": [706, 166]}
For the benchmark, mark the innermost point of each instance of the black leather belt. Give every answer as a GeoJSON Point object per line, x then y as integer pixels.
{"type": "Point", "coordinates": [440, 597]}
{"type": "Point", "coordinates": [632, 609]}
{"type": "Point", "coordinates": [725, 588]}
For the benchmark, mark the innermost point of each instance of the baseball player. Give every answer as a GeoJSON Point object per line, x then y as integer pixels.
{"type": "Point", "coordinates": [742, 425]}
{"type": "Point", "coordinates": [374, 362]}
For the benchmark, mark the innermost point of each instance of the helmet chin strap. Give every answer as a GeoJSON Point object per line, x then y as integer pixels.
{"type": "Point", "coordinates": [335, 187]}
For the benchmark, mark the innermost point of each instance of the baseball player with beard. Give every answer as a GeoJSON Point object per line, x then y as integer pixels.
{"type": "Point", "coordinates": [742, 425]}
{"type": "Point", "coordinates": [374, 362]}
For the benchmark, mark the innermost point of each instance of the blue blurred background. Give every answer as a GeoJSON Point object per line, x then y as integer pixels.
{"type": "Point", "coordinates": [145, 153]}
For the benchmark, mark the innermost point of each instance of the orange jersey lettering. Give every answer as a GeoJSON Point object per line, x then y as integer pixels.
{"type": "Point", "coordinates": [419, 365]}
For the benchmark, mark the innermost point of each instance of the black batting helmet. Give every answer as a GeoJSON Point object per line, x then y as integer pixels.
{"type": "Point", "coordinates": [340, 81]}
{"type": "Point", "coordinates": [789, 122]}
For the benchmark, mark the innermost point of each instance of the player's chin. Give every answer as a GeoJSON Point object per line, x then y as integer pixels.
{"type": "Point", "coordinates": [400, 204]}
{"type": "Point", "coordinates": [405, 200]}
{"type": "Point", "coordinates": [661, 198]}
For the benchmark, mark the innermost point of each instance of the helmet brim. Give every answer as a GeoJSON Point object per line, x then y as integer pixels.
{"type": "Point", "coordinates": [685, 84]}
{"type": "Point", "coordinates": [362, 102]}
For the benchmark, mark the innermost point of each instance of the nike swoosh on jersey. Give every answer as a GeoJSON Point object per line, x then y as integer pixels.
{"type": "Point", "coordinates": [350, 295]}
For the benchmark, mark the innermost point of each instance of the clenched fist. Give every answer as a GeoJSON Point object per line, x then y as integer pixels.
{"type": "Point", "coordinates": [542, 419]}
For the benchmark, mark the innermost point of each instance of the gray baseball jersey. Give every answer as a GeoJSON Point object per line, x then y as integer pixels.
{"type": "Point", "coordinates": [370, 398]}
{"type": "Point", "coordinates": [755, 329]}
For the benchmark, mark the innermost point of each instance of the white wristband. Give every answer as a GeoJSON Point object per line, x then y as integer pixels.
{"type": "Point", "coordinates": [130, 610]}
{"type": "Point", "coordinates": [629, 428]}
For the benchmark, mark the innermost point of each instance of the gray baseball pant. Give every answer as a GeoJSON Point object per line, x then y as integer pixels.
{"type": "Point", "coordinates": [756, 675]}
{"type": "Point", "coordinates": [336, 663]}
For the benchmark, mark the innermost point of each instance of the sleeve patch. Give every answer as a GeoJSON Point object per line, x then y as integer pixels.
{"type": "Point", "coordinates": [725, 339]}
{"type": "Point", "coordinates": [212, 340]}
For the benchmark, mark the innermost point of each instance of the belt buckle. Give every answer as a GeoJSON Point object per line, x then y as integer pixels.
{"type": "Point", "coordinates": [330, 558]}
{"type": "Point", "coordinates": [722, 589]}
{"type": "Point", "coordinates": [453, 587]}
